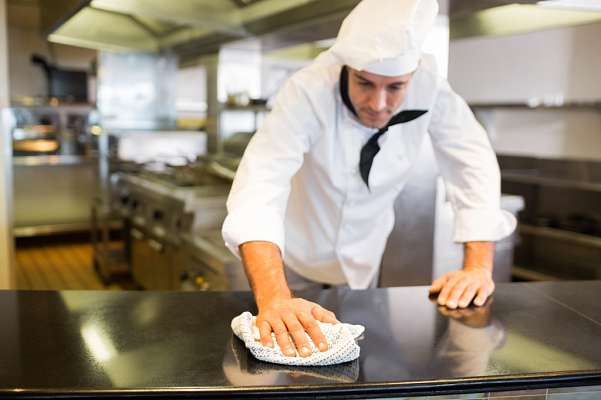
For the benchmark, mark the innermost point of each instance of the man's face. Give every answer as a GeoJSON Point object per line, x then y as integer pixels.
{"type": "Point", "coordinates": [376, 97]}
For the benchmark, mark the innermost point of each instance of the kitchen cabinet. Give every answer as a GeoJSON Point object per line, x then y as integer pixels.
{"type": "Point", "coordinates": [53, 193]}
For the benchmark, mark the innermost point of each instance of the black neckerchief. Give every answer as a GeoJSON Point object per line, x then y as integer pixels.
{"type": "Point", "coordinates": [371, 148]}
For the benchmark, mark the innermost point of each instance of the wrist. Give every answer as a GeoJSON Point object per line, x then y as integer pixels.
{"type": "Point", "coordinates": [478, 256]}
{"type": "Point", "coordinates": [486, 269]}
{"type": "Point", "coordinates": [266, 300]}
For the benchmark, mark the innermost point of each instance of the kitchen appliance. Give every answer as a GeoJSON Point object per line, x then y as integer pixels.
{"type": "Point", "coordinates": [63, 84]}
{"type": "Point", "coordinates": [172, 207]}
{"type": "Point", "coordinates": [160, 212]}
{"type": "Point", "coordinates": [204, 263]}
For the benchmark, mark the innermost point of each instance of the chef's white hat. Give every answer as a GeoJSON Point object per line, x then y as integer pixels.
{"type": "Point", "coordinates": [385, 37]}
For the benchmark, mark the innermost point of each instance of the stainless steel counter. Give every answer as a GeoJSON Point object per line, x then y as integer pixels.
{"type": "Point", "coordinates": [36, 161]}
{"type": "Point", "coordinates": [543, 338]}
{"type": "Point", "coordinates": [53, 193]}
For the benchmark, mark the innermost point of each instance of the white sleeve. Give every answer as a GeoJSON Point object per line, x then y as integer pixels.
{"type": "Point", "coordinates": [469, 169]}
{"type": "Point", "coordinates": [257, 201]}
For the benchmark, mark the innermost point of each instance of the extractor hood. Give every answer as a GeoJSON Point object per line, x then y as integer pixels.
{"type": "Point", "coordinates": [187, 27]}
{"type": "Point", "coordinates": [504, 17]}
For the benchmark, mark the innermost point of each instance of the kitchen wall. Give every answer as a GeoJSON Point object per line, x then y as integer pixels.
{"type": "Point", "coordinates": [552, 65]}
{"type": "Point", "coordinates": [6, 245]}
{"type": "Point", "coordinates": [26, 39]}
{"type": "Point", "coordinates": [239, 72]}
{"type": "Point", "coordinates": [546, 133]}
{"type": "Point", "coordinates": [191, 92]}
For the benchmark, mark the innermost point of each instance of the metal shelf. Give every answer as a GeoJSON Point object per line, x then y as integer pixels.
{"type": "Point", "coordinates": [560, 234]}
{"type": "Point", "coordinates": [51, 229]}
{"type": "Point", "coordinates": [37, 161]}
{"type": "Point", "coordinates": [591, 105]}
{"type": "Point", "coordinates": [531, 275]}
{"type": "Point", "coordinates": [28, 231]}
{"type": "Point", "coordinates": [249, 108]}
{"type": "Point", "coordinates": [555, 182]}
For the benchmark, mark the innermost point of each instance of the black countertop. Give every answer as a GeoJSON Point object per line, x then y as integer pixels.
{"type": "Point", "coordinates": [179, 344]}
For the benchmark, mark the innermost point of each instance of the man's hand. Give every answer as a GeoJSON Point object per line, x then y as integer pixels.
{"type": "Point", "coordinates": [473, 282]}
{"type": "Point", "coordinates": [458, 288]}
{"type": "Point", "coordinates": [289, 319]}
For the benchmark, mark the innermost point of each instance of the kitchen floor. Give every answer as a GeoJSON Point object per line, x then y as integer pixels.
{"type": "Point", "coordinates": [58, 263]}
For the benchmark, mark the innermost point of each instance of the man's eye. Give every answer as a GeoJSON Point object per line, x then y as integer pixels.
{"type": "Point", "coordinates": [394, 88]}
{"type": "Point", "coordinates": [365, 84]}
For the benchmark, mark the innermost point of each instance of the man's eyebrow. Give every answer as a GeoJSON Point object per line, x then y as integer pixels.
{"type": "Point", "coordinates": [396, 83]}
{"type": "Point", "coordinates": [362, 78]}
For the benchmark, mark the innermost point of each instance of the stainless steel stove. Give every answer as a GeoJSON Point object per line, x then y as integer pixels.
{"type": "Point", "coordinates": [160, 213]}
{"type": "Point", "coordinates": [172, 210]}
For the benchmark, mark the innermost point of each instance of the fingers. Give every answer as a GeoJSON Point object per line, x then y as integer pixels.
{"type": "Point", "coordinates": [446, 290]}
{"type": "Point", "coordinates": [323, 315]}
{"type": "Point", "coordinates": [294, 323]}
{"type": "Point", "coordinates": [468, 295]}
{"type": "Point", "coordinates": [282, 337]}
{"type": "Point", "coordinates": [297, 332]}
{"type": "Point", "coordinates": [483, 294]}
{"type": "Point", "coordinates": [265, 331]}
{"type": "Point", "coordinates": [438, 284]}
{"type": "Point", "coordinates": [312, 328]}
{"type": "Point", "coordinates": [456, 292]}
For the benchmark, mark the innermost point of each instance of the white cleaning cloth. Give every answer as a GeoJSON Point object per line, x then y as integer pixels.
{"type": "Point", "coordinates": [341, 340]}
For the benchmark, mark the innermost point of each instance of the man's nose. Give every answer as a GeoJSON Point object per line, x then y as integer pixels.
{"type": "Point", "coordinates": [377, 102]}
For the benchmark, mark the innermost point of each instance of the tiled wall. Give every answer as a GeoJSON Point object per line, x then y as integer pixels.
{"type": "Point", "coordinates": [550, 65]}
{"type": "Point", "coordinates": [545, 133]}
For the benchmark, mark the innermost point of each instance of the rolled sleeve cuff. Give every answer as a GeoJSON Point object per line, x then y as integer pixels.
{"type": "Point", "coordinates": [252, 226]}
{"type": "Point", "coordinates": [483, 225]}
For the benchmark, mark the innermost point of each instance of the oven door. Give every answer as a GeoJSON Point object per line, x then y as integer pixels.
{"type": "Point", "coordinates": [193, 273]}
{"type": "Point", "coordinates": [152, 261]}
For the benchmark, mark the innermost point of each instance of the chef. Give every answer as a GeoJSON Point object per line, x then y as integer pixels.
{"type": "Point", "coordinates": [312, 201]}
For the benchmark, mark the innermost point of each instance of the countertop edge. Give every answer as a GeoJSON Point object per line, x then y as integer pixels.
{"type": "Point", "coordinates": [408, 388]}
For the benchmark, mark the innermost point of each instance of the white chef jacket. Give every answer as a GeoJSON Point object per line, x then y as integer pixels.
{"type": "Point", "coordinates": [298, 184]}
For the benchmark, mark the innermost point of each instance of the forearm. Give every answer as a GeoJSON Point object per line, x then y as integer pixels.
{"type": "Point", "coordinates": [265, 271]}
{"type": "Point", "coordinates": [478, 255]}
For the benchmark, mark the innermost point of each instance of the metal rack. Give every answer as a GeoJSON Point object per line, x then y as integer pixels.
{"type": "Point", "coordinates": [560, 227]}
{"type": "Point", "coordinates": [561, 234]}
{"type": "Point", "coordinates": [541, 104]}
{"type": "Point", "coordinates": [551, 182]}
{"type": "Point", "coordinates": [111, 259]}
{"type": "Point", "coordinates": [255, 109]}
